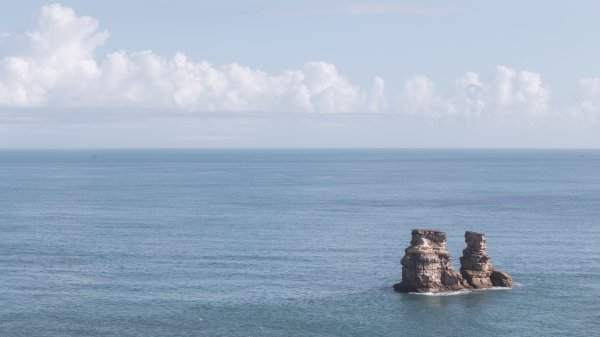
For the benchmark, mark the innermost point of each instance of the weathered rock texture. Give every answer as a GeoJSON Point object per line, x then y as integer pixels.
{"type": "Point", "coordinates": [475, 265]}
{"type": "Point", "coordinates": [426, 266]}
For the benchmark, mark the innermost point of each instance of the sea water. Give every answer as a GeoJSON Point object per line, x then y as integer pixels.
{"type": "Point", "coordinates": [292, 242]}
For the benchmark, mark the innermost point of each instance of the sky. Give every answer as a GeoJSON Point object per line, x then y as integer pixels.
{"type": "Point", "coordinates": [219, 74]}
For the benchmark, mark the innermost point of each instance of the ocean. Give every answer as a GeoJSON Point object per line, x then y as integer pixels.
{"type": "Point", "coordinates": [292, 242]}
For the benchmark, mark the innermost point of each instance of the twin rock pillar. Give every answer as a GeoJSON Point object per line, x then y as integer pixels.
{"type": "Point", "coordinates": [427, 267]}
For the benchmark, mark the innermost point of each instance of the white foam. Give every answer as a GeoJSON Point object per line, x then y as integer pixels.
{"type": "Point", "coordinates": [494, 288]}
{"type": "Point", "coordinates": [459, 292]}
{"type": "Point", "coordinates": [445, 293]}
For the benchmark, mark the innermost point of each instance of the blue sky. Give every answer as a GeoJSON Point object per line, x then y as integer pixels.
{"type": "Point", "coordinates": [458, 69]}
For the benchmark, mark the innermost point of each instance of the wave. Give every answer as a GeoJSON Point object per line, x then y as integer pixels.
{"type": "Point", "coordinates": [459, 292]}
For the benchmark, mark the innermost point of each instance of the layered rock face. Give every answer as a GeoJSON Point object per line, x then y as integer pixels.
{"type": "Point", "coordinates": [475, 265]}
{"type": "Point", "coordinates": [426, 266]}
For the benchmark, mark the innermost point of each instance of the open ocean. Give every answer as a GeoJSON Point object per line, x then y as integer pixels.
{"type": "Point", "coordinates": [292, 242]}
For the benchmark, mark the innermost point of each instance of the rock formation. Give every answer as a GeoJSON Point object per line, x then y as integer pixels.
{"type": "Point", "coordinates": [475, 265]}
{"type": "Point", "coordinates": [426, 266]}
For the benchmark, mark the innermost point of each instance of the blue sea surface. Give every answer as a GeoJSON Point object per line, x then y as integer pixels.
{"type": "Point", "coordinates": [292, 242]}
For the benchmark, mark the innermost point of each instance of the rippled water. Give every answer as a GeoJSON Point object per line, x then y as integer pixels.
{"type": "Point", "coordinates": [291, 243]}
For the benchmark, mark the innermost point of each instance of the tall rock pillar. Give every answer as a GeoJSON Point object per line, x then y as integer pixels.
{"type": "Point", "coordinates": [426, 265]}
{"type": "Point", "coordinates": [475, 265]}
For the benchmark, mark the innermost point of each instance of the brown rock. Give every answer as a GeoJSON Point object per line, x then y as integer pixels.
{"type": "Point", "coordinates": [475, 265]}
{"type": "Point", "coordinates": [501, 279]}
{"type": "Point", "coordinates": [426, 265]}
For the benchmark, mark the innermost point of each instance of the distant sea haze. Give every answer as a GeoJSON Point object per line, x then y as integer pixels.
{"type": "Point", "coordinates": [291, 242]}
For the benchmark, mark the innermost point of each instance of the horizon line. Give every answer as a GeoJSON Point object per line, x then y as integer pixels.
{"type": "Point", "coordinates": [295, 148]}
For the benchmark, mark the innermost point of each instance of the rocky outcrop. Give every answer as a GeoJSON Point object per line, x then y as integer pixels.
{"type": "Point", "coordinates": [426, 266]}
{"type": "Point", "coordinates": [475, 265]}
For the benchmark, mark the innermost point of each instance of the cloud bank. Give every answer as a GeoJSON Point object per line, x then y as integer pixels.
{"type": "Point", "coordinates": [506, 93]}
{"type": "Point", "coordinates": [58, 67]}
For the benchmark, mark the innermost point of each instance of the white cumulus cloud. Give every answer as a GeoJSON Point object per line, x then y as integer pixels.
{"type": "Point", "coordinates": [420, 96]}
{"type": "Point", "coordinates": [60, 70]}
{"type": "Point", "coordinates": [507, 92]}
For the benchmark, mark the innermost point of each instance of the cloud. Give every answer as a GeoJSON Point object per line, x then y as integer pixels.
{"type": "Point", "coordinates": [146, 78]}
{"type": "Point", "coordinates": [59, 68]}
{"type": "Point", "coordinates": [419, 96]}
{"type": "Point", "coordinates": [59, 58]}
{"type": "Point", "coordinates": [506, 93]}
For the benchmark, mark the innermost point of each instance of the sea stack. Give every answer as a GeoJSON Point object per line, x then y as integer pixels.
{"type": "Point", "coordinates": [475, 265]}
{"type": "Point", "coordinates": [426, 265]}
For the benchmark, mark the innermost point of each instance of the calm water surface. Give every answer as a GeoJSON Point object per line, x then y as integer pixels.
{"type": "Point", "coordinates": [291, 243]}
